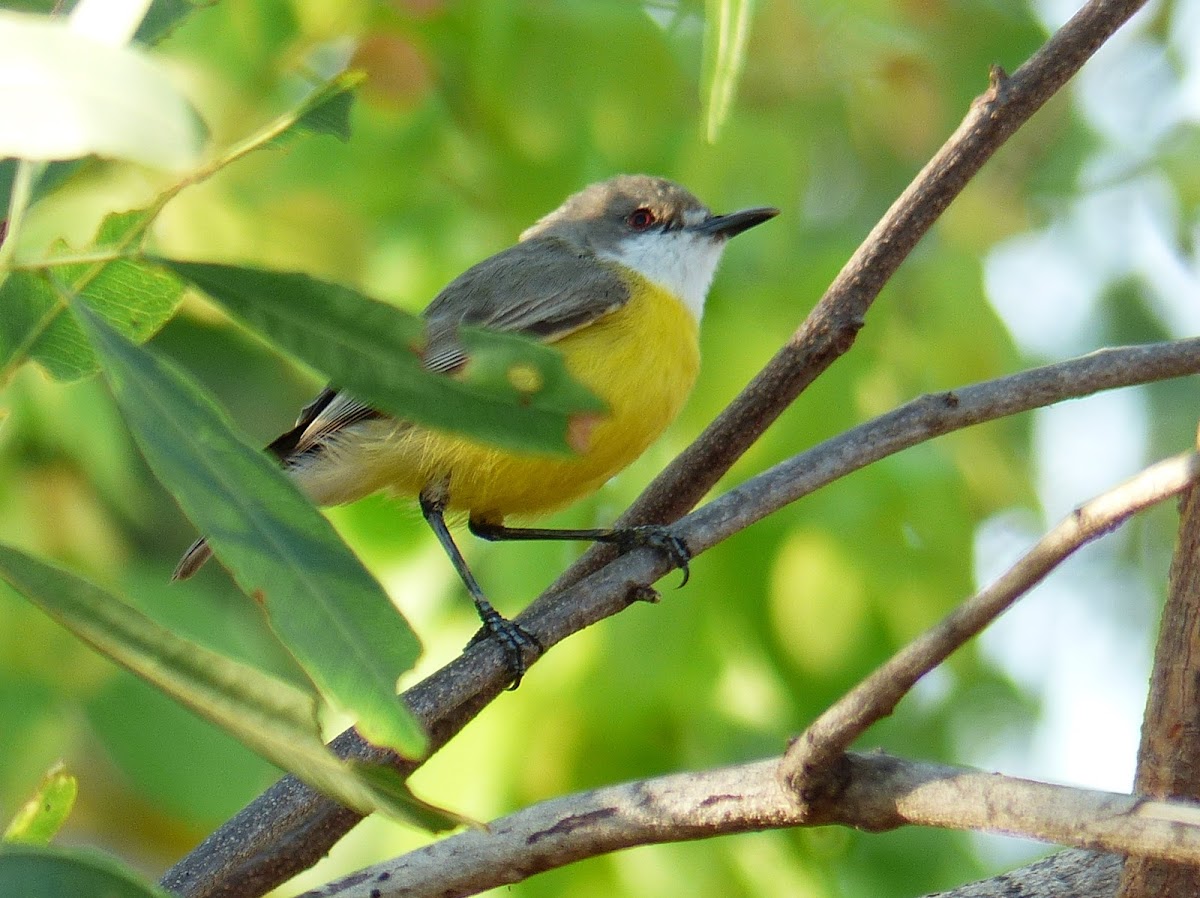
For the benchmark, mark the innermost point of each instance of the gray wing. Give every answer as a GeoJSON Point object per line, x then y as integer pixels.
{"type": "Point", "coordinates": [507, 292]}
{"type": "Point", "coordinates": [545, 288]}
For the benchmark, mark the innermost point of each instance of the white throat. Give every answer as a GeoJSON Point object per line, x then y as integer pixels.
{"type": "Point", "coordinates": [681, 262]}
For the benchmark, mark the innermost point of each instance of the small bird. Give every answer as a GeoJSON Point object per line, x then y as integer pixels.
{"type": "Point", "coordinates": [615, 279]}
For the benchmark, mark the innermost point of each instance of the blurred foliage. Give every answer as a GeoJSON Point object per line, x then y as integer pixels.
{"type": "Point", "coordinates": [44, 812]}
{"type": "Point", "coordinates": [477, 117]}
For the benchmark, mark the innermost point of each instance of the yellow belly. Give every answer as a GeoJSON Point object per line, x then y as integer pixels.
{"type": "Point", "coordinates": [641, 360]}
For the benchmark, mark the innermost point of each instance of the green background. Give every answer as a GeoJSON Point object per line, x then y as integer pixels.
{"type": "Point", "coordinates": [478, 118]}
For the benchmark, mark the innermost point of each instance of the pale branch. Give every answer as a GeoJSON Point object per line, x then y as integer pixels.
{"type": "Point", "coordinates": [928, 417]}
{"type": "Point", "coordinates": [830, 329]}
{"type": "Point", "coordinates": [290, 827]}
{"type": "Point", "coordinates": [1070, 873]}
{"type": "Point", "coordinates": [882, 793]}
{"type": "Point", "coordinates": [1169, 755]}
{"type": "Point", "coordinates": [810, 763]}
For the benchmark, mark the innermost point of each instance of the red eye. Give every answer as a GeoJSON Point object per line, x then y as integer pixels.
{"type": "Point", "coordinates": [640, 219]}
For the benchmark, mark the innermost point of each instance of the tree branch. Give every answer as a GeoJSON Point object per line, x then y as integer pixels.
{"type": "Point", "coordinates": [882, 793]}
{"type": "Point", "coordinates": [932, 416]}
{"type": "Point", "coordinates": [1169, 755]}
{"type": "Point", "coordinates": [809, 766]}
{"type": "Point", "coordinates": [1072, 873]}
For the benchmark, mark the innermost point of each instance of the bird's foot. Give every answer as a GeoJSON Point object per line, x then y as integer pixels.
{"type": "Point", "coordinates": [514, 639]}
{"type": "Point", "coordinates": [657, 536]}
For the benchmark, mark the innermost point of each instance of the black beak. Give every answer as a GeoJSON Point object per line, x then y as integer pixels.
{"type": "Point", "coordinates": [726, 226]}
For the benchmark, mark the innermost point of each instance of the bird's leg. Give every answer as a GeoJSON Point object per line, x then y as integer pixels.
{"type": "Point", "coordinates": [646, 536]}
{"type": "Point", "coordinates": [515, 639]}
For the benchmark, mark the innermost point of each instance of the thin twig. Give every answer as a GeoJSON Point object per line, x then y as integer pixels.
{"type": "Point", "coordinates": [928, 417]}
{"type": "Point", "coordinates": [809, 766]}
{"type": "Point", "coordinates": [1169, 755]}
{"type": "Point", "coordinates": [883, 793]}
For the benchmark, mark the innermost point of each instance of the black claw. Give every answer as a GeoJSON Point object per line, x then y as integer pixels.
{"type": "Point", "coordinates": [682, 556]}
{"type": "Point", "coordinates": [514, 639]}
{"type": "Point", "coordinates": [655, 536]}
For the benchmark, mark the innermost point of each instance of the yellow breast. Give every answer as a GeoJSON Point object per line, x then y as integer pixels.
{"type": "Point", "coordinates": [642, 360]}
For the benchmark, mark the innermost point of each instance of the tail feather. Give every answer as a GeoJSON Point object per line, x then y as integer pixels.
{"type": "Point", "coordinates": [193, 559]}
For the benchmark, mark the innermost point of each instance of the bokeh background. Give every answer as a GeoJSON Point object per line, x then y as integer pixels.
{"type": "Point", "coordinates": [480, 116]}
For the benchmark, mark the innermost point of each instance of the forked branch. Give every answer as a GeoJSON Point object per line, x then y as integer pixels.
{"type": "Point", "coordinates": [810, 764]}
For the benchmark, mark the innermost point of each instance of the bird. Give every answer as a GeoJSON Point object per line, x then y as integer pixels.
{"type": "Point", "coordinates": [615, 279]}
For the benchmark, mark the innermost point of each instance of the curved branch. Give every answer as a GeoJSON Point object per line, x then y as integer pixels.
{"type": "Point", "coordinates": [883, 793]}
{"type": "Point", "coordinates": [1072, 873]}
{"type": "Point", "coordinates": [932, 416]}
{"type": "Point", "coordinates": [809, 766]}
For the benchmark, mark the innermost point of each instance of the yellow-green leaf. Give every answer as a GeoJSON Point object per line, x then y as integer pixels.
{"type": "Point", "coordinates": [40, 818]}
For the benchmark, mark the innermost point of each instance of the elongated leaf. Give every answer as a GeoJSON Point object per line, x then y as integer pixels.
{"type": "Point", "coordinates": [271, 717]}
{"type": "Point", "coordinates": [34, 871]}
{"type": "Point", "coordinates": [726, 33]}
{"type": "Point", "coordinates": [164, 16]}
{"type": "Point", "coordinates": [40, 818]}
{"type": "Point", "coordinates": [370, 348]}
{"type": "Point", "coordinates": [64, 95]}
{"type": "Point", "coordinates": [324, 606]}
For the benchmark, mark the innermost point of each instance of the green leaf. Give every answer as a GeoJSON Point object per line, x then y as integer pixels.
{"type": "Point", "coordinates": [64, 95]}
{"type": "Point", "coordinates": [327, 109]}
{"type": "Point", "coordinates": [162, 19]}
{"type": "Point", "coordinates": [32, 871]}
{"type": "Point", "coordinates": [269, 716]}
{"type": "Point", "coordinates": [133, 297]}
{"type": "Point", "coordinates": [322, 604]}
{"type": "Point", "coordinates": [726, 33]}
{"type": "Point", "coordinates": [123, 230]}
{"type": "Point", "coordinates": [42, 816]}
{"type": "Point", "coordinates": [514, 392]}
